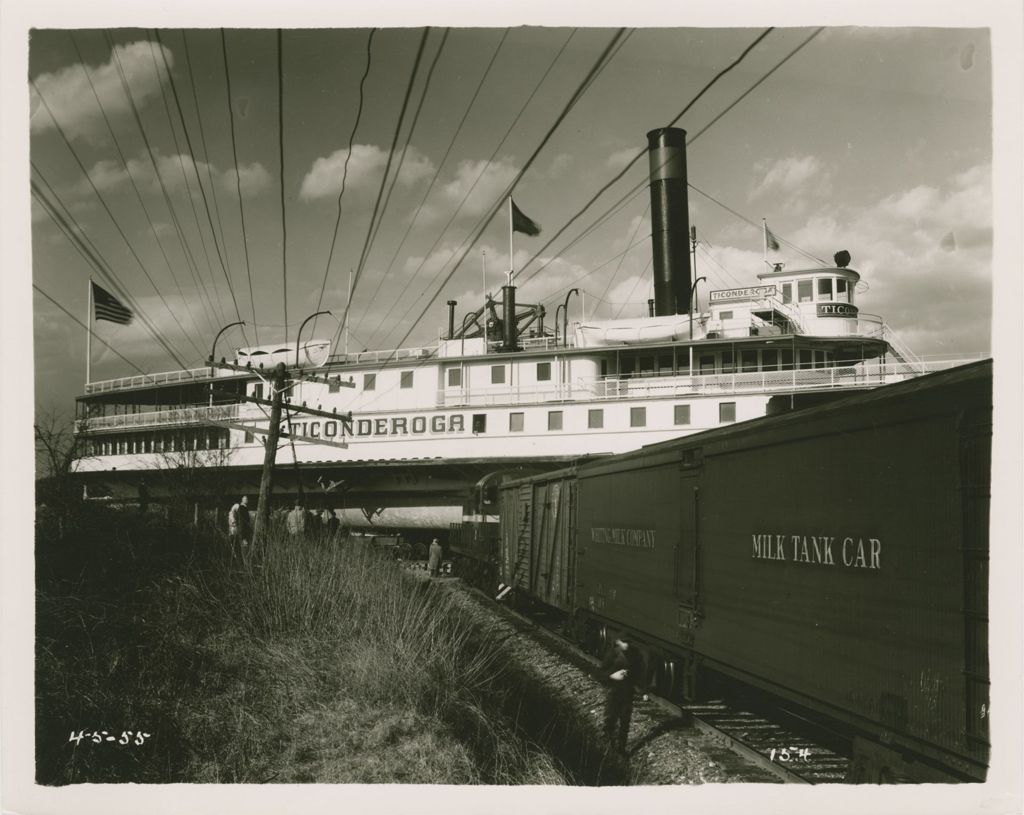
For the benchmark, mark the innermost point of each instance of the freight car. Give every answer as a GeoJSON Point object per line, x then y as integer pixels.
{"type": "Point", "coordinates": [834, 557]}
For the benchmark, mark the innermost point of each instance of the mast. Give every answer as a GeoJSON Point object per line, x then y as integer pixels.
{"type": "Point", "coordinates": [88, 337]}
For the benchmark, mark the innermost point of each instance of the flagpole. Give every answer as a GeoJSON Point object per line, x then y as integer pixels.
{"type": "Point", "coordinates": [484, 284]}
{"type": "Point", "coordinates": [88, 338]}
{"type": "Point", "coordinates": [764, 239]}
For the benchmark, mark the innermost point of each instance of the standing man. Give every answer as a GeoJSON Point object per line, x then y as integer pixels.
{"type": "Point", "coordinates": [623, 670]}
{"type": "Point", "coordinates": [239, 523]}
{"type": "Point", "coordinates": [434, 558]}
{"type": "Point", "coordinates": [297, 521]}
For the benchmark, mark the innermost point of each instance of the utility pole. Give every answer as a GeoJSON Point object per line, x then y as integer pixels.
{"type": "Point", "coordinates": [267, 481]}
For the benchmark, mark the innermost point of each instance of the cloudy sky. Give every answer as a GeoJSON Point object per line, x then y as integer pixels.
{"type": "Point", "coordinates": [873, 140]}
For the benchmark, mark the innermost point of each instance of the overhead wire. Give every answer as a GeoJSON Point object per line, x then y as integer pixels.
{"type": "Point", "coordinates": [344, 172]}
{"type": "Point", "coordinates": [81, 243]}
{"type": "Point", "coordinates": [440, 166]}
{"type": "Point", "coordinates": [188, 193]}
{"type": "Point", "coordinates": [387, 167]}
{"type": "Point", "coordinates": [125, 87]}
{"type": "Point", "coordinates": [238, 181]}
{"type": "Point", "coordinates": [597, 67]}
{"type": "Point", "coordinates": [222, 256]}
{"type": "Point", "coordinates": [465, 197]}
{"type": "Point", "coordinates": [394, 178]}
{"type": "Point", "coordinates": [106, 208]}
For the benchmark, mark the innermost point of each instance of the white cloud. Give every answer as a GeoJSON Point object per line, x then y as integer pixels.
{"type": "Point", "coordinates": [68, 94]}
{"type": "Point", "coordinates": [110, 176]}
{"type": "Point", "coordinates": [364, 171]}
{"type": "Point", "coordinates": [252, 178]}
{"type": "Point", "coordinates": [789, 175]}
{"type": "Point", "coordinates": [480, 183]}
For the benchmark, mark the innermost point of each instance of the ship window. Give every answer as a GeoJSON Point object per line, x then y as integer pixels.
{"type": "Point", "coordinates": [595, 418]}
{"type": "Point", "coordinates": [787, 359]}
{"type": "Point", "coordinates": [820, 359]}
{"type": "Point", "coordinates": [407, 379]}
{"type": "Point", "coordinates": [515, 422]}
{"type": "Point", "coordinates": [554, 420]}
{"type": "Point", "coordinates": [707, 363]}
{"type": "Point", "coordinates": [725, 315]}
{"type": "Point", "coordinates": [841, 293]}
{"type": "Point", "coordinates": [787, 292]}
{"type": "Point", "coordinates": [638, 417]}
{"type": "Point", "coordinates": [257, 390]}
{"type": "Point", "coordinates": [748, 360]}
{"type": "Point", "coordinates": [627, 367]}
{"type": "Point", "coordinates": [543, 371]}
{"type": "Point", "coordinates": [479, 422]}
{"type": "Point", "coordinates": [805, 359]}
{"type": "Point", "coordinates": [805, 291]}
{"type": "Point", "coordinates": [497, 374]}
{"type": "Point", "coordinates": [727, 365]}
{"type": "Point", "coordinates": [646, 366]}
{"type": "Point", "coordinates": [369, 382]}
{"type": "Point", "coordinates": [824, 288]}
{"type": "Point", "coordinates": [454, 377]}
{"type": "Point", "coordinates": [665, 365]}
{"type": "Point", "coordinates": [682, 414]}
{"type": "Point", "coordinates": [249, 437]}
{"type": "Point", "coordinates": [769, 359]}
{"type": "Point", "coordinates": [726, 412]}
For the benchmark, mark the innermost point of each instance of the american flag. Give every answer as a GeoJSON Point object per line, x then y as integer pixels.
{"type": "Point", "coordinates": [109, 307]}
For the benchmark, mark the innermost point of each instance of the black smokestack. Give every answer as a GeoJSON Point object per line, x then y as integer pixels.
{"type": "Point", "coordinates": [508, 318]}
{"type": "Point", "coordinates": [670, 220]}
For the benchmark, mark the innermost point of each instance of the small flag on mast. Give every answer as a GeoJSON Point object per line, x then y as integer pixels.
{"type": "Point", "coordinates": [108, 307]}
{"type": "Point", "coordinates": [770, 240]}
{"type": "Point", "coordinates": [522, 223]}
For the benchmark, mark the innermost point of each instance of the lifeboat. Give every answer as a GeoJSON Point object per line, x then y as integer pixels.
{"type": "Point", "coordinates": [312, 354]}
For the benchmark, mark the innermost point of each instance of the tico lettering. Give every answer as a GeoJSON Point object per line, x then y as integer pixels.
{"type": "Point", "coordinates": [384, 426]}
{"type": "Point", "coordinates": [819, 550]}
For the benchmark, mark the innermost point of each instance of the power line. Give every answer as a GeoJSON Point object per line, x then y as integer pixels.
{"type": "Point", "coordinates": [440, 166]}
{"type": "Point", "coordinates": [89, 330]}
{"type": "Point", "coordinates": [238, 181]}
{"type": "Point", "coordinates": [225, 263]}
{"type": "Point", "coordinates": [106, 208]}
{"type": "Point", "coordinates": [487, 164]}
{"type": "Point", "coordinates": [387, 168]}
{"type": "Point", "coordinates": [280, 140]}
{"type": "Point", "coordinates": [344, 174]}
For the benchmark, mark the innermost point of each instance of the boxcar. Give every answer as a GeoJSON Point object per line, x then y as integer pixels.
{"type": "Point", "coordinates": [836, 556]}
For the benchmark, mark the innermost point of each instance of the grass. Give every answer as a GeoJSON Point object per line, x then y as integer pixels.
{"type": "Point", "coordinates": [318, 661]}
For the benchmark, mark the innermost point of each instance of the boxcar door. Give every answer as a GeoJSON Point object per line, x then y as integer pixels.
{"type": "Point", "coordinates": [687, 580]}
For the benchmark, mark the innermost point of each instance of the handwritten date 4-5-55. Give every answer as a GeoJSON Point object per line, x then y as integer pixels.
{"type": "Point", "coordinates": [136, 737]}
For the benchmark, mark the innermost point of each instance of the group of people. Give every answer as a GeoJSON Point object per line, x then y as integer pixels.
{"type": "Point", "coordinates": [300, 522]}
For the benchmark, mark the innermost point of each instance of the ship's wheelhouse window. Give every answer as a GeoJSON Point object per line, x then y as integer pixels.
{"type": "Point", "coordinates": [515, 422]}
{"type": "Point", "coordinates": [727, 362]}
{"type": "Point", "coordinates": [665, 365]}
{"type": "Point", "coordinates": [543, 371]}
{"type": "Point", "coordinates": [748, 360]}
{"type": "Point", "coordinates": [787, 292]}
{"type": "Point", "coordinates": [681, 414]}
{"type": "Point", "coordinates": [707, 363]}
{"type": "Point", "coordinates": [554, 420]}
{"type": "Point", "coordinates": [725, 315]}
{"type": "Point", "coordinates": [595, 418]}
{"type": "Point", "coordinates": [841, 293]}
{"type": "Point", "coordinates": [805, 291]}
{"type": "Point", "coordinates": [726, 412]}
{"type": "Point", "coordinates": [497, 374]}
{"type": "Point", "coordinates": [369, 382]}
{"type": "Point", "coordinates": [824, 288]}
{"type": "Point", "coordinates": [787, 359]}
{"type": "Point", "coordinates": [454, 377]}
{"type": "Point", "coordinates": [769, 359]}
{"type": "Point", "coordinates": [805, 359]}
{"type": "Point", "coordinates": [638, 417]}
{"type": "Point", "coordinates": [406, 379]}
{"type": "Point", "coordinates": [479, 422]}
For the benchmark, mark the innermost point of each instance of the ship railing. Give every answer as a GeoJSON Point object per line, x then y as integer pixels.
{"type": "Point", "coordinates": [161, 378]}
{"type": "Point", "coordinates": [380, 357]}
{"type": "Point", "coordinates": [171, 417]}
{"type": "Point", "coordinates": [862, 375]}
